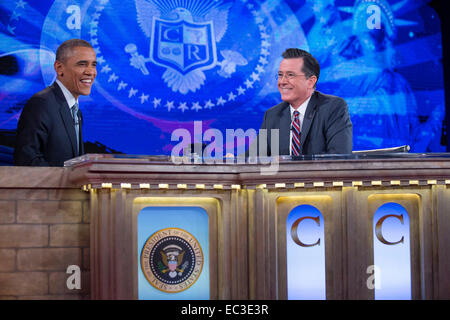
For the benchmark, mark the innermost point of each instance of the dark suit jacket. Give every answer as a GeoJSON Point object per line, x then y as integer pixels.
{"type": "Point", "coordinates": [326, 127]}
{"type": "Point", "coordinates": [45, 132]}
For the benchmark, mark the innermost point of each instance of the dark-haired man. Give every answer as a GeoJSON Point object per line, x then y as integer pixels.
{"type": "Point", "coordinates": [309, 122]}
{"type": "Point", "coordinates": [49, 130]}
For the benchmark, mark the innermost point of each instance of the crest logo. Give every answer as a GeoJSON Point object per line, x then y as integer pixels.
{"type": "Point", "coordinates": [183, 39]}
{"type": "Point", "coordinates": [172, 260]}
{"type": "Point", "coordinates": [183, 46]}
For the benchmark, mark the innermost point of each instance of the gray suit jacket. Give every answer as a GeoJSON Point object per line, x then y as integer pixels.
{"type": "Point", "coordinates": [326, 127]}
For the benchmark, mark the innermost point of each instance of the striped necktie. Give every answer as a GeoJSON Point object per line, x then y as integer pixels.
{"type": "Point", "coordinates": [296, 134]}
{"type": "Point", "coordinates": [76, 124]}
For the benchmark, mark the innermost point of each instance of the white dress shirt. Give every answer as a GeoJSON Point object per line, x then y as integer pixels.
{"type": "Point", "coordinates": [69, 97]}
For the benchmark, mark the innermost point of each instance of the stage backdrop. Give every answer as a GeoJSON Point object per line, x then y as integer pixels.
{"type": "Point", "coordinates": [163, 64]}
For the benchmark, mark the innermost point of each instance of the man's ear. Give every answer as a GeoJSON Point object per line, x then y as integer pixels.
{"type": "Point", "coordinates": [313, 81]}
{"type": "Point", "coordinates": [58, 65]}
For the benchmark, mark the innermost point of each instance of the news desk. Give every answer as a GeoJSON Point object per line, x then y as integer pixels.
{"type": "Point", "coordinates": [148, 227]}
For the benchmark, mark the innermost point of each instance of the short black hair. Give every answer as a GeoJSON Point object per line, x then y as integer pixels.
{"type": "Point", "coordinates": [64, 50]}
{"type": "Point", "coordinates": [310, 65]}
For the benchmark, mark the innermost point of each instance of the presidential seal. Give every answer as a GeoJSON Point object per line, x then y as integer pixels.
{"type": "Point", "coordinates": [172, 260]}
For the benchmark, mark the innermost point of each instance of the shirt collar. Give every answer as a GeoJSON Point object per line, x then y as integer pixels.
{"type": "Point", "coordinates": [302, 108]}
{"type": "Point", "coordinates": [69, 97]}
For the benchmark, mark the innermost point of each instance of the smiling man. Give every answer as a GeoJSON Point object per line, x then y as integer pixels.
{"type": "Point", "coordinates": [49, 130]}
{"type": "Point", "coordinates": [309, 121]}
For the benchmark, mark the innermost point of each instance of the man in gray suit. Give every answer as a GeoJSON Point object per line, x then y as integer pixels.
{"type": "Point", "coordinates": [309, 121]}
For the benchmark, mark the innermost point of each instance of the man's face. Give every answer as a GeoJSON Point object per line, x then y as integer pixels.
{"type": "Point", "coordinates": [78, 71]}
{"type": "Point", "coordinates": [298, 88]}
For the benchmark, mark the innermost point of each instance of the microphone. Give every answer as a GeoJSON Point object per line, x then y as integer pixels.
{"type": "Point", "coordinates": [137, 60]}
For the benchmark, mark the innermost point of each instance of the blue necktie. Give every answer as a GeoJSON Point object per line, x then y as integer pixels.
{"type": "Point", "coordinates": [76, 124]}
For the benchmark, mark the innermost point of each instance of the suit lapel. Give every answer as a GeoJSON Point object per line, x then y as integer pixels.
{"type": "Point", "coordinates": [66, 116]}
{"type": "Point", "coordinates": [285, 128]}
{"type": "Point", "coordinates": [309, 117]}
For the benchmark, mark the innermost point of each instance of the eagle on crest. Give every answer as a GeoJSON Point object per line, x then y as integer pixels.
{"type": "Point", "coordinates": [196, 11]}
{"type": "Point", "coordinates": [172, 257]}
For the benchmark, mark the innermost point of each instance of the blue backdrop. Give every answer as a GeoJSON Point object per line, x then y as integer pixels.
{"type": "Point", "coordinates": [164, 63]}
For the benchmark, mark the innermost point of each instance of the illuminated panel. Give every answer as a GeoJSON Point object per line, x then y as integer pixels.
{"type": "Point", "coordinates": [392, 257]}
{"type": "Point", "coordinates": [305, 243]}
{"type": "Point", "coordinates": [173, 253]}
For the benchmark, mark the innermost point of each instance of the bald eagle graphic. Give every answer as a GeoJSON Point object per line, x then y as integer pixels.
{"type": "Point", "coordinates": [172, 258]}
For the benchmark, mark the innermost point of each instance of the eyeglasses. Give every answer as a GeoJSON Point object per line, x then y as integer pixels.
{"type": "Point", "coordinates": [288, 75]}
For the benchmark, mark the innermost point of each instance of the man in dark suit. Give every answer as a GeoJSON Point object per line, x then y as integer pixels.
{"type": "Point", "coordinates": [309, 122]}
{"type": "Point", "coordinates": [49, 130]}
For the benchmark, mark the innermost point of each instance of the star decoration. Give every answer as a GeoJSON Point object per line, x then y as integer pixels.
{"type": "Point", "coordinates": [254, 76]}
{"type": "Point", "coordinates": [196, 106]}
{"type": "Point", "coordinates": [169, 105]}
{"type": "Point", "coordinates": [265, 35]}
{"type": "Point", "coordinates": [143, 97]}
{"type": "Point", "coordinates": [220, 101]}
{"type": "Point", "coordinates": [122, 85]}
{"type": "Point", "coordinates": [156, 102]}
{"type": "Point", "coordinates": [11, 29]}
{"type": "Point", "coordinates": [259, 68]}
{"type": "Point", "coordinates": [113, 78]}
{"type": "Point", "coordinates": [240, 90]}
{"type": "Point", "coordinates": [15, 16]}
{"type": "Point", "coordinates": [101, 60]}
{"type": "Point", "coordinates": [209, 104]}
{"type": "Point", "coordinates": [183, 106]}
{"type": "Point", "coordinates": [263, 60]}
{"type": "Point", "coordinates": [231, 96]}
{"type": "Point", "coordinates": [106, 69]}
{"type": "Point", "coordinates": [265, 43]}
{"type": "Point", "coordinates": [132, 92]}
{"type": "Point", "coordinates": [20, 4]}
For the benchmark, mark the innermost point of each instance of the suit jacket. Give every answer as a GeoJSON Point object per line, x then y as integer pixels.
{"type": "Point", "coordinates": [326, 127]}
{"type": "Point", "coordinates": [46, 132]}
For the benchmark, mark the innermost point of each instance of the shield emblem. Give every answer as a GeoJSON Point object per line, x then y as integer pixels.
{"type": "Point", "coordinates": [183, 46]}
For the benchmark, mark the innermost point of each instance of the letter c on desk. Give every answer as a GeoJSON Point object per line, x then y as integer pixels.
{"type": "Point", "coordinates": [294, 232]}
{"type": "Point", "coordinates": [379, 233]}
